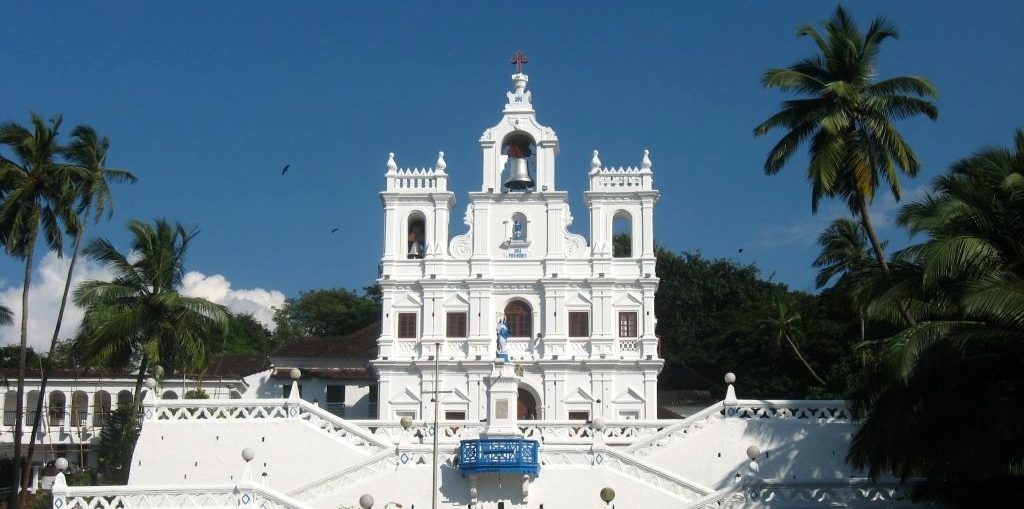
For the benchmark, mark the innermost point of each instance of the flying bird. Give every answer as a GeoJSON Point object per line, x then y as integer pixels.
{"type": "Point", "coordinates": [335, 230]}
{"type": "Point", "coordinates": [285, 169]}
{"type": "Point", "coordinates": [741, 249]}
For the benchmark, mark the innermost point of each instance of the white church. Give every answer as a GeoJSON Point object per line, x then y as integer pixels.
{"type": "Point", "coordinates": [516, 367]}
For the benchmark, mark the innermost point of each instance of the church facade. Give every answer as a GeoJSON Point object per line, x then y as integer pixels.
{"type": "Point", "coordinates": [575, 315]}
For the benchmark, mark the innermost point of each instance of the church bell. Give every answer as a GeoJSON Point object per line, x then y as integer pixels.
{"type": "Point", "coordinates": [416, 250]}
{"type": "Point", "coordinates": [519, 175]}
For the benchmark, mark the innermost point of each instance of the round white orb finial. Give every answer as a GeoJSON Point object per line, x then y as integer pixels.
{"type": "Point", "coordinates": [645, 163]}
{"type": "Point", "coordinates": [607, 495]}
{"type": "Point", "coordinates": [366, 501]}
{"type": "Point", "coordinates": [405, 422]}
{"type": "Point", "coordinates": [595, 163]}
{"type": "Point", "coordinates": [61, 464]}
{"type": "Point", "coordinates": [248, 454]}
{"type": "Point", "coordinates": [597, 424]}
{"type": "Point", "coordinates": [295, 374]}
{"type": "Point", "coordinates": [753, 452]}
{"type": "Point", "coordinates": [392, 165]}
{"type": "Point", "coordinates": [440, 165]}
{"type": "Point", "coordinates": [730, 378]}
{"type": "Point", "coordinates": [150, 383]}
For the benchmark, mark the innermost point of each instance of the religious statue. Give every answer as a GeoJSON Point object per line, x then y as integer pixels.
{"type": "Point", "coordinates": [502, 343]}
{"type": "Point", "coordinates": [517, 230]}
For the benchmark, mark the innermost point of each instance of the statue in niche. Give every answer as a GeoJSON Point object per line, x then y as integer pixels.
{"type": "Point", "coordinates": [517, 230]}
{"type": "Point", "coordinates": [502, 339]}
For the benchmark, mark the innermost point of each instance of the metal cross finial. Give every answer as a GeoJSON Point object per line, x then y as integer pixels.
{"type": "Point", "coordinates": [518, 60]}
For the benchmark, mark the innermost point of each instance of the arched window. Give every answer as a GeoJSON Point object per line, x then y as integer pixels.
{"type": "Point", "coordinates": [125, 398]}
{"type": "Point", "coordinates": [519, 226]}
{"type": "Point", "coordinates": [100, 408]}
{"type": "Point", "coordinates": [519, 319]}
{"type": "Point", "coordinates": [31, 400]}
{"type": "Point", "coordinates": [417, 236]}
{"type": "Point", "coordinates": [169, 394]}
{"type": "Point", "coordinates": [56, 408]}
{"type": "Point", "coordinates": [10, 408]}
{"type": "Point", "coordinates": [79, 408]}
{"type": "Point", "coordinates": [622, 235]}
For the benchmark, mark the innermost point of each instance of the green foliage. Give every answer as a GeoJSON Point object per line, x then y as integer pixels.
{"type": "Point", "coordinates": [6, 316]}
{"type": "Point", "coordinates": [117, 444]}
{"type": "Point", "coordinates": [9, 357]}
{"type": "Point", "coordinates": [710, 321]}
{"type": "Point", "coordinates": [244, 334]}
{"type": "Point", "coordinates": [328, 312]}
{"type": "Point", "coordinates": [199, 393]}
{"type": "Point", "coordinates": [943, 399]}
{"type": "Point", "coordinates": [622, 245]}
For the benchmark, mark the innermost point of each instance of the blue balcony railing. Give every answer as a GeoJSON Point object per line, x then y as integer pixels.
{"type": "Point", "coordinates": [501, 455]}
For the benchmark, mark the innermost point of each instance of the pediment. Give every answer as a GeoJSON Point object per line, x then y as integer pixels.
{"type": "Point", "coordinates": [455, 397]}
{"type": "Point", "coordinates": [628, 300]}
{"type": "Point", "coordinates": [629, 396]}
{"type": "Point", "coordinates": [578, 395]}
{"type": "Point", "coordinates": [457, 300]}
{"type": "Point", "coordinates": [408, 300]}
{"type": "Point", "coordinates": [579, 298]}
{"type": "Point", "coordinates": [405, 397]}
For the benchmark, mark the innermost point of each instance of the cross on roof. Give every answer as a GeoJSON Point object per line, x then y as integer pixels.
{"type": "Point", "coordinates": [518, 60]}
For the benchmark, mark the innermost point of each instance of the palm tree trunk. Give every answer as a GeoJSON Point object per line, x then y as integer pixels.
{"type": "Point", "coordinates": [876, 246]}
{"type": "Point", "coordinates": [19, 428]}
{"type": "Point", "coordinates": [48, 363]}
{"type": "Point", "coordinates": [801, 357]}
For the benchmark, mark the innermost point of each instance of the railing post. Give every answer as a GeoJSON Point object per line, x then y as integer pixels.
{"type": "Point", "coordinates": [730, 401]}
{"type": "Point", "coordinates": [60, 492]}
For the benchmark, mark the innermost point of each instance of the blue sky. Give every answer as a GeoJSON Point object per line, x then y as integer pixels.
{"type": "Point", "coordinates": [206, 101]}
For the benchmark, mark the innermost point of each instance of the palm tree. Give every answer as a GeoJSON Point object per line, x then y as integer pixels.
{"type": "Point", "coordinates": [783, 326]}
{"type": "Point", "coordinates": [956, 374]}
{"type": "Point", "coordinates": [844, 254]}
{"type": "Point", "coordinates": [846, 116]}
{"type": "Point", "coordinates": [36, 193]}
{"type": "Point", "coordinates": [88, 151]}
{"type": "Point", "coordinates": [6, 316]}
{"type": "Point", "coordinates": [140, 314]}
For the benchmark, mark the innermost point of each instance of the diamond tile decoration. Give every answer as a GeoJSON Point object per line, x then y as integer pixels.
{"type": "Point", "coordinates": [405, 458]}
{"type": "Point", "coordinates": [599, 459]}
{"type": "Point", "coordinates": [245, 499]}
{"type": "Point", "coordinates": [58, 503]}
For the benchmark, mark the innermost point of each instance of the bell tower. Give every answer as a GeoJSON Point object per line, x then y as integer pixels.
{"type": "Point", "coordinates": [519, 153]}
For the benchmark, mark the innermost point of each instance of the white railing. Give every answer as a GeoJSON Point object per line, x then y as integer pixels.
{"type": "Point", "coordinates": [264, 409]}
{"type": "Point", "coordinates": [618, 433]}
{"type": "Point", "coordinates": [679, 431]}
{"type": "Point", "coordinates": [780, 494]}
{"type": "Point", "coordinates": [170, 497]}
{"type": "Point", "coordinates": [835, 411]}
{"type": "Point", "coordinates": [417, 179]}
{"type": "Point", "coordinates": [385, 461]}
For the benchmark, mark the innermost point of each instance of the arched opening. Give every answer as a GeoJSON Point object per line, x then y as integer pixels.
{"type": "Point", "coordinates": [169, 394]}
{"type": "Point", "coordinates": [55, 408]}
{"type": "Point", "coordinates": [79, 408]}
{"type": "Point", "coordinates": [31, 401]}
{"type": "Point", "coordinates": [527, 406]}
{"type": "Point", "coordinates": [622, 235]}
{"type": "Point", "coordinates": [519, 150]}
{"type": "Point", "coordinates": [125, 398]}
{"type": "Point", "coordinates": [416, 246]}
{"type": "Point", "coordinates": [100, 408]}
{"type": "Point", "coordinates": [519, 319]}
{"type": "Point", "coordinates": [10, 408]}
{"type": "Point", "coordinates": [520, 226]}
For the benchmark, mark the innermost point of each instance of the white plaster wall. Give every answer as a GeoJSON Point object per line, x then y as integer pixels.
{"type": "Point", "coordinates": [794, 450]}
{"type": "Point", "coordinates": [290, 452]}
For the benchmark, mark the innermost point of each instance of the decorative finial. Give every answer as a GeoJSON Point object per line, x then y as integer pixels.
{"type": "Point", "coordinates": [645, 164]}
{"type": "Point", "coordinates": [440, 165]}
{"type": "Point", "coordinates": [392, 165]}
{"type": "Point", "coordinates": [518, 60]}
{"type": "Point", "coordinates": [595, 163]}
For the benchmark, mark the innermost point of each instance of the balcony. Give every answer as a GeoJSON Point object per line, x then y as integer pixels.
{"type": "Point", "coordinates": [509, 455]}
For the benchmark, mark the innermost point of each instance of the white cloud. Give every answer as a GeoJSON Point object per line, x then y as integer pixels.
{"type": "Point", "coordinates": [258, 302]}
{"type": "Point", "coordinates": [48, 286]}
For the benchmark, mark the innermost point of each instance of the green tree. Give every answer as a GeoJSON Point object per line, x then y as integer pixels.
{"type": "Point", "coordinates": [88, 151]}
{"type": "Point", "coordinates": [116, 444]}
{"type": "Point", "coordinates": [846, 117]}
{"type": "Point", "coordinates": [784, 326]}
{"type": "Point", "coordinates": [244, 335]}
{"type": "Point", "coordinates": [844, 255]}
{"type": "Point", "coordinates": [141, 314]}
{"type": "Point", "coordinates": [37, 193]}
{"type": "Point", "coordinates": [944, 401]}
{"type": "Point", "coordinates": [328, 312]}
{"type": "Point", "coordinates": [6, 316]}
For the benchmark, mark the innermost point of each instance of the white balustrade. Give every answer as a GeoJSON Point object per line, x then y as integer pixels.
{"type": "Point", "coordinates": [170, 497]}
{"type": "Point", "coordinates": [837, 411]}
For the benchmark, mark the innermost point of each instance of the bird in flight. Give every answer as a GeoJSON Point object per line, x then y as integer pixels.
{"type": "Point", "coordinates": [335, 230]}
{"type": "Point", "coordinates": [741, 249]}
{"type": "Point", "coordinates": [285, 169]}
